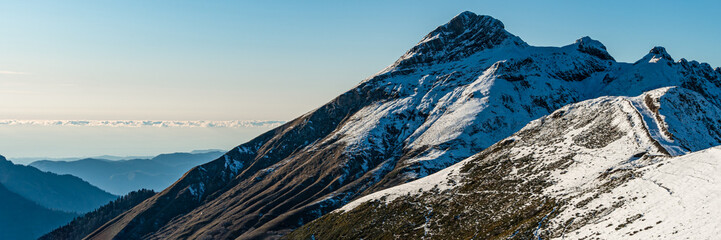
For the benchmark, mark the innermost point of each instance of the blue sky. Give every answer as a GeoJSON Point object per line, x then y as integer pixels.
{"type": "Point", "coordinates": [243, 60]}
{"type": "Point", "coordinates": [263, 60]}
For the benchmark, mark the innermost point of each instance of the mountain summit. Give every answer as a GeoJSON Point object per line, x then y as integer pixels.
{"type": "Point", "coordinates": [656, 54]}
{"type": "Point", "coordinates": [464, 87]}
{"type": "Point", "coordinates": [464, 35]}
{"type": "Point", "coordinates": [593, 47]}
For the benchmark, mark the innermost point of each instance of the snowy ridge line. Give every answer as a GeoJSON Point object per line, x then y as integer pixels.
{"type": "Point", "coordinates": [144, 123]}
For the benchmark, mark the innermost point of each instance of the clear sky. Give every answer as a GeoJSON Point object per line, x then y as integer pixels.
{"type": "Point", "coordinates": [275, 60]}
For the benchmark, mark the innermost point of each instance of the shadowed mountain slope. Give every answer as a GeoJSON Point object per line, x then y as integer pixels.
{"type": "Point", "coordinates": [23, 219]}
{"type": "Point", "coordinates": [58, 192]}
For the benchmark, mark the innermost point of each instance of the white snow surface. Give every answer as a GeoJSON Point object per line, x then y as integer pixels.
{"type": "Point", "coordinates": [676, 198]}
{"type": "Point", "coordinates": [442, 180]}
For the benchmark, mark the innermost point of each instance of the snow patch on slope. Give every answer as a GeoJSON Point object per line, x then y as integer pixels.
{"type": "Point", "coordinates": [441, 180]}
{"type": "Point", "coordinates": [233, 165]}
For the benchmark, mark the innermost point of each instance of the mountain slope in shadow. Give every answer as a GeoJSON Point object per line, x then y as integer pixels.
{"type": "Point", "coordinates": [23, 219]}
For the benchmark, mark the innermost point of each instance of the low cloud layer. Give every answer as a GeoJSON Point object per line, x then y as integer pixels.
{"type": "Point", "coordinates": [144, 123]}
{"type": "Point", "coordinates": [5, 72]}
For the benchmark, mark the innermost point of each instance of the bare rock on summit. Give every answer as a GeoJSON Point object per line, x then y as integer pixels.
{"type": "Point", "coordinates": [464, 35]}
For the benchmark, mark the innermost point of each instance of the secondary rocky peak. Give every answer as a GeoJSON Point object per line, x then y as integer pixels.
{"type": "Point", "coordinates": [656, 54]}
{"type": "Point", "coordinates": [659, 52]}
{"type": "Point", "coordinates": [3, 159]}
{"type": "Point", "coordinates": [593, 47]}
{"type": "Point", "coordinates": [464, 35]}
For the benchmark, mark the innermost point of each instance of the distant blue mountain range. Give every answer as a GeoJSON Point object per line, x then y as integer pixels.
{"type": "Point", "coordinates": [123, 176]}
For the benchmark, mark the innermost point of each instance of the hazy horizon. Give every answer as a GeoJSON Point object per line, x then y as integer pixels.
{"type": "Point", "coordinates": [62, 141]}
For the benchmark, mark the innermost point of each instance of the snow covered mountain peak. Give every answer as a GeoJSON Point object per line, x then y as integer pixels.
{"type": "Point", "coordinates": [470, 21]}
{"type": "Point", "coordinates": [656, 54]}
{"type": "Point", "coordinates": [465, 15]}
{"type": "Point", "coordinates": [593, 47]}
{"type": "Point", "coordinates": [462, 36]}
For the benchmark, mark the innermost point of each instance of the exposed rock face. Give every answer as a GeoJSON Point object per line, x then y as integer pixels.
{"type": "Point", "coordinates": [593, 47]}
{"type": "Point", "coordinates": [463, 36]}
{"type": "Point", "coordinates": [660, 52]}
{"type": "Point", "coordinates": [464, 87]}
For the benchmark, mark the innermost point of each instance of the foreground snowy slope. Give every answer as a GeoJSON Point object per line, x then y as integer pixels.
{"type": "Point", "coordinates": [675, 198]}
{"type": "Point", "coordinates": [463, 87]}
{"type": "Point", "coordinates": [588, 168]}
